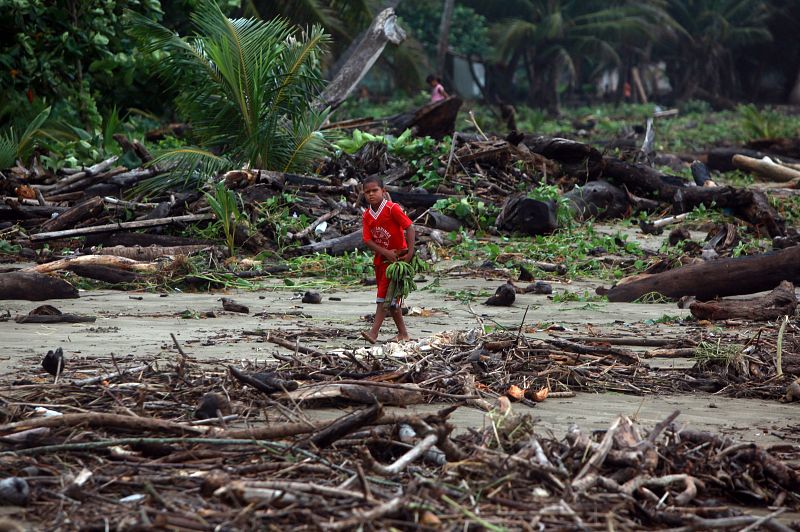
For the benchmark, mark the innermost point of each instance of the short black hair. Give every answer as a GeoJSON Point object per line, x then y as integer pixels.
{"type": "Point", "coordinates": [372, 179]}
{"type": "Point", "coordinates": [430, 78]}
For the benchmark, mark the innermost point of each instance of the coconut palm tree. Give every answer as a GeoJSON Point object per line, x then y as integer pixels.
{"type": "Point", "coordinates": [245, 86]}
{"type": "Point", "coordinates": [714, 31]}
{"type": "Point", "coordinates": [561, 39]}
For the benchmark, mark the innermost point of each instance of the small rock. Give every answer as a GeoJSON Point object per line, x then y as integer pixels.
{"type": "Point", "coordinates": [678, 234]}
{"type": "Point", "coordinates": [313, 297]}
{"type": "Point", "coordinates": [539, 287]}
{"type": "Point", "coordinates": [210, 404]}
{"type": "Point", "coordinates": [14, 491]}
{"type": "Point", "coordinates": [525, 274]}
{"type": "Point", "coordinates": [232, 306]}
{"type": "Point", "coordinates": [53, 362]}
{"type": "Point", "coordinates": [503, 297]}
{"type": "Point", "coordinates": [793, 392]}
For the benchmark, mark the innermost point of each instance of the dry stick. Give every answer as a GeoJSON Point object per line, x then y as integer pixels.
{"type": "Point", "coordinates": [452, 152]}
{"type": "Point", "coordinates": [401, 463]}
{"type": "Point", "coordinates": [625, 340]}
{"type": "Point", "coordinates": [313, 225]}
{"type": "Point", "coordinates": [95, 420]}
{"type": "Point", "coordinates": [120, 226]}
{"type": "Point", "coordinates": [594, 463]}
{"type": "Point", "coordinates": [779, 354]}
{"type": "Point", "coordinates": [389, 507]}
{"type": "Point", "coordinates": [700, 523]}
{"type": "Point", "coordinates": [519, 332]}
{"type": "Point", "coordinates": [762, 520]}
{"type": "Point", "coordinates": [397, 387]}
{"type": "Point", "coordinates": [109, 376]}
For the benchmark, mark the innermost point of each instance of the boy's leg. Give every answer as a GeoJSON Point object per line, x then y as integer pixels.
{"type": "Point", "coordinates": [380, 312]}
{"type": "Point", "coordinates": [397, 316]}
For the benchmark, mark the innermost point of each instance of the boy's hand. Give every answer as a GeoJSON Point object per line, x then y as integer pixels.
{"type": "Point", "coordinates": [406, 255]}
{"type": "Point", "coordinates": [390, 255]}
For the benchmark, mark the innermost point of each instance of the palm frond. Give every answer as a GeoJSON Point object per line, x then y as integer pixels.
{"type": "Point", "coordinates": [188, 168]}
{"type": "Point", "coordinates": [25, 141]}
{"type": "Point", "coordinates": [246, 86]}
{"type": "Point", "coordinates": [8, 150]}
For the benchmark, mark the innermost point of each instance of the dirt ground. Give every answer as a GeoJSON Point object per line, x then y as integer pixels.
{"type": "Point", "coordinates": [140, 323]}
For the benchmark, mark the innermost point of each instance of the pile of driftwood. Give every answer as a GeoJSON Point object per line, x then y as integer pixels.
{"type": "Point", "coordinates": [201, 446]}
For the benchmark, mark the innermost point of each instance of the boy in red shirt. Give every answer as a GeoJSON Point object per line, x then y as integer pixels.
{"type": "Point", "coordinates": [390, 234]}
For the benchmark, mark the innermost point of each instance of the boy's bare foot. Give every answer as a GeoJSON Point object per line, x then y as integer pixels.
{"type": "Point", "coordinates": [399, 338]}
{"type": "Point", "coordinates": [365, 335]}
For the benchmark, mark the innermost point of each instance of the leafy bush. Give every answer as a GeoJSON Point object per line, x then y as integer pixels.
{"type": "Point", "coordinates": [246, 86]}
{"type": "Point", "coordinates": [423, 153]}
{"type": "Point", "coordinates": [72, 51]}
{"type": "Point", "coordinates": [759, 123]}
{"type": "Point", "coordinates": [471, 210]}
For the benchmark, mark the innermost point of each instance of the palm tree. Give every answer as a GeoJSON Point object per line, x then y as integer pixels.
{"type": "Point", "coordinates": [246, 87]}
{"type": "Point", "coordinates": [562, 38]}
{"type": "Point", "coordinates": [714, 31]}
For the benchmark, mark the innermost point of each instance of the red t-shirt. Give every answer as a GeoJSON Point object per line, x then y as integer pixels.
{"type": "Point", "coordinates": [386, 226]}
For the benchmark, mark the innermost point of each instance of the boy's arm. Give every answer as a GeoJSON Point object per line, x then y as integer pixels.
{"type": "Point", "coordinates": [388, 254]}
{"type": "Point", "coordinates": [411, 236]}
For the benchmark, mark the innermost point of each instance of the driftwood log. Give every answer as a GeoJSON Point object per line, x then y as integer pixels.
{"type": "Point", "coordinates": [782, 301]}
{"type": "Point", "coordinates": [751, 206]}
{"type": "Point", "coordinates": [577, 159]}
{"type": "Point", "coordinates": [435, 120]}
{"type": "Point", "coordinates": [72, 216]}
{"type": "Point", "coordinates": [766, 168]}
{"type": "Point", "coordinates": [107, 228]}
{"type": "Point", "coordinates": [33, 286]}
{"type": "Point", "coordinates": [718, 278]}
{"type": "Point", "coordinates": [336, 246]}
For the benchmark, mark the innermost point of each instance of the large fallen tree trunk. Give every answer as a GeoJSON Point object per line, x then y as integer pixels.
{"type": "Point", "coordinates": [717, 278]}
{"type": "Point", "coordinates": [361, 56]}
{"type": "Point", "coordinates": [33, 286]}
{"type": "Point", "coordinates": [336, 246]}
{"type": "Point", "coordinates": [750, 205]}
{"type": "Point", "coordinates": [782, 301]}
{"type": "Point", "coordinates": [577, 159]}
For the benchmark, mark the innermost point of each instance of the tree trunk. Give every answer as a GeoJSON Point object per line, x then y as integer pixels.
{"type": "Point", "coordinates": [717, 278]}
{"type": "Point", "coordinates": [336, 246]}
{"type": "Point", "coordinates": [782, 301]}
{"type": "Point", "coordinates": [383, 29]}
{"type": "Point", "coordinates": [32, 286]}
{"type": "Point", "coordinates": [444, 35]}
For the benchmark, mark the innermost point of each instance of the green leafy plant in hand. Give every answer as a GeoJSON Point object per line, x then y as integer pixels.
{"type": "Point", "coordinates": [246, 86]}
{"type": "Point", "coordinates": [226, 208]}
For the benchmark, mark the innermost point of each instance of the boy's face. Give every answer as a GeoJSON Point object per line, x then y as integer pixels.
{"type": "Point", "coordinates": [374, 193]}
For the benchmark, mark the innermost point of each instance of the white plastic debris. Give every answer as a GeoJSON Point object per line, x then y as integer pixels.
{"type": "Point", "coordinates": [46, 412]}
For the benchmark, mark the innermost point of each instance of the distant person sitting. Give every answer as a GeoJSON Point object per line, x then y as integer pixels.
{"type": "Point", "coordinates": [438, 94]}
